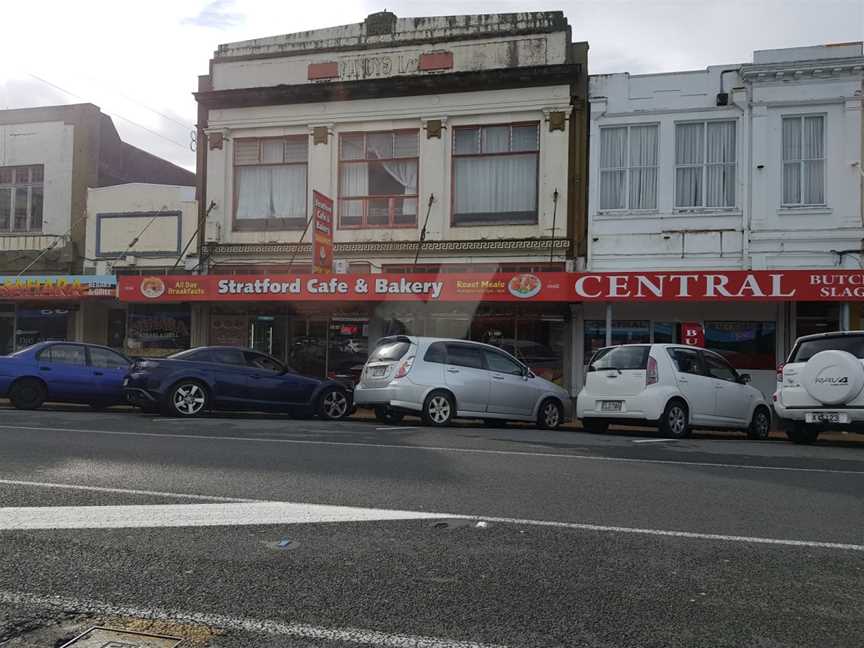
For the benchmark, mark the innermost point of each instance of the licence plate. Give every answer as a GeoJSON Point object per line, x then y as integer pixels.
{"type": "Point", "coordinates": [610, 406]}
{"type": "Point", "coordinates": [826, 417]}
{"type": "Point", "coordinates": [377, 372]}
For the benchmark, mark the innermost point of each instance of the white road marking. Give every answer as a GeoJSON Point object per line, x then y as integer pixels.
{"type": "Point", "coordinates": [399, 427]}
{"type": "Point", "coordinates": [125, 491]}
{"type": "Point", "coordinates": [394, 446]}
{"type": "Point", "coordinates": [192, 515]}
{"type": "Point", "coordinates": [242, 624]}
{"type": "Point", "coordinates": [654, 440]}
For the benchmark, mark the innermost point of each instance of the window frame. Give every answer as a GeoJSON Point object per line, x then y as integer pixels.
{"type": "Point", "coordinates": [700, 360]}
{"type": "Point", "coordinates": [627, 169]}
{"type": "Point", "coordinates": [800, 117]}
{"type": "Point", "coordinates": [704, 165]}
{"type": "Point", "coordinates": [722, 361]}
{"type": "Point", "coordinates": [364, 219]}
{"type": "Point", "coordinates": [454, 156]}
{"type": "Point", "coordinates": [523, 369]}
{"type": "Point", "coordinates": [267, 224]}
{"type": "Point", "coordinates": [110, 352]}
{"type": "Point", "coordinates": [28, 186]}
{"type": "Point", "coordinates": [468, 347]}
{"type": "Point", "coordinates": [50, 350]}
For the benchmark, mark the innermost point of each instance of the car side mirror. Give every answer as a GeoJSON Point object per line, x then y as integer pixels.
{"type": "Point", "coordinates": [744, 379]}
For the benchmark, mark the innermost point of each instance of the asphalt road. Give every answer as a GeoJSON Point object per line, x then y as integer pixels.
{"type": "Point", "coordinates": [240, 531]}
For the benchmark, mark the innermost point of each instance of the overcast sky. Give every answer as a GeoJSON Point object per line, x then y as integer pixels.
{"type": "Point", "coordinates": [139, 61]}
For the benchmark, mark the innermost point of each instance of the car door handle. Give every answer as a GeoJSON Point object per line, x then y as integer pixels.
{"type": "Point", "coordinates": [497, 377]}
{"type": "Point", "coordinates": [682, 380]}
{"type": "Point", "coordinates": [452, 371]}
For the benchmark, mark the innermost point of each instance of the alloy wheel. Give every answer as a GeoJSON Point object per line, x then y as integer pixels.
{"type": "Point", "coordinates": [762, 424]}
{"type": "Point", "coordinates": [334, 405]}
{"type": "Point", "coordinates": [189, 399]}
{"type": "Point", "coordinates": [677, 420]}
{"type": "Point", "coordinates": [439, 409]}
{"type": "Point", "coordinates": [551, 415]}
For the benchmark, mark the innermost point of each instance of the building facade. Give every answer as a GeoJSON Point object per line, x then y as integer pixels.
{"type": "Point", "coordinates": [449, 145]}
{"type": "Point", "coordinates": [49, 157]}
{"type": "Point", "coordinates": [753, 167]}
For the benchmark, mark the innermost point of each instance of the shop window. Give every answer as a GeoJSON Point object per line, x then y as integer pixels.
{"type": "Point", "coordinates": [630, 331]}
{"type": "Point", "coordinates": [816, 317]}
{"type": "Point", "coordinates": [628, 167]}
{"type": "Point", "coordinates": [705, 164]}
{"type": "Point", "coordinates": [495, 174]}
{"type": "Point", "coordinates": [158, 331]}
{"type": "Point", "coordinates": [105, 359]}
{"type": "Point", "coordinates": [664, 332]}
{"type": "Point", "coordinates": [744, 345]}
{"type": "Point", "coordinates": [270, 183]}
{"type": "Point", "coordinates": [803, 160]}
{"type": "Point", "coordinates": [41, 325]}
{"type": "Point", "coordinates": [594, 337]}
{"type": "Point", "coordinates": [378, 179]}
{"type": "Point", "coordinates": [21, 198]}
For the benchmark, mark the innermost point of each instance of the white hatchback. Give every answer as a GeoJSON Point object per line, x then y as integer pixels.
{"type": "Point", "coordinates": [821, 385]}
{"type": "Point", "coordinates": [670, 386]}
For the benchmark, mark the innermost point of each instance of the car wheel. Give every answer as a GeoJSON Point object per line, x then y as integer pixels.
{"type": "Point", "coordinates": [550, 415]}
{"type": "Point", "coordinates": [28, 394]}
{"type": "Point", "coordinates": [675, 421]}
{"type": "Point", "coordinates": [760, 426]}
{"type": "Point", "coordinates": [439, 408]}
{"type": "Point", "coordinates": [188, 398]}
{"type": "Point", "coordinates": [388, 415]}
{"type": "Point", "coordinates": [800, 433]}
{"type": "Point", "coordinates": [595, 427]}
{"type": "Point", "coordinates": [333, 404]}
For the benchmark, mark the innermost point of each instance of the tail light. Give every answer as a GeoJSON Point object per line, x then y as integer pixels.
{"type": "Point", "coordinates": [780, 372]}
{"type": "Point", "coordinates": [651, 373]}
{"type": "Point", "coordinates": [405, 367]}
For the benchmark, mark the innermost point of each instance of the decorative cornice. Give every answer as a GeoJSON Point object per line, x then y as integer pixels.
{"type": "Point", "coordinates": [393, 248]}
{"type": "Point", "coordinates": [801, 70]}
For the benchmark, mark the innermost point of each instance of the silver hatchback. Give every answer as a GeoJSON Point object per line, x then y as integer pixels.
{"type": "Point", "coordinates": [441, 379]}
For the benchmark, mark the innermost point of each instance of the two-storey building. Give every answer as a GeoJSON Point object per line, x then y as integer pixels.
{"type": "Point", "coordinates": [752, 167]}
{"type": "Point", "coordinates": [450, 146]}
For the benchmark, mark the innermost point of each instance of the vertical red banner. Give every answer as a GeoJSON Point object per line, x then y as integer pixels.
{"type": "Point", "coordinates": [692, 334]}
{"type": "Point", "coordinates": [322, 240]}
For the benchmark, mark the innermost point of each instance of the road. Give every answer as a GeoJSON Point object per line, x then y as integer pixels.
{"type": "Point", "coordinates": [239, 531]}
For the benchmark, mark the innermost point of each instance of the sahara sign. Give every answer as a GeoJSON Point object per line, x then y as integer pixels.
{"type": "Point", "coordinates": [62, 287]}
{"type": "Point", "coordinates": [740, 286]}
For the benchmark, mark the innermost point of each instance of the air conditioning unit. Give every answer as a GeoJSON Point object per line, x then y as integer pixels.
{"type": "Point", "coordinates": [212, 232]}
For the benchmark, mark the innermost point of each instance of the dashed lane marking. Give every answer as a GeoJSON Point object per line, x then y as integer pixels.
{"type": "Point", "coordinates": [654, 440]}
{"type": "Point", "coordinates": [395, 446]}
{"type": "Point", "coordinates": [398, 427]}
{"type": "Point", "coordinates": [124, 491]}
{"type": "Point", "coordinates": [241, 624]}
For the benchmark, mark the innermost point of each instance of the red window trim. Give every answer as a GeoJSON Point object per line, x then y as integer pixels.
{"type": "Point", "coordinates": [454, 156]}
{"type": "Point", "coordinates": [364, 218]}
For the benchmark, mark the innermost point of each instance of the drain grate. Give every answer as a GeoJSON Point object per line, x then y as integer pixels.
{"type": "Point", "coordinates": [111, 638]}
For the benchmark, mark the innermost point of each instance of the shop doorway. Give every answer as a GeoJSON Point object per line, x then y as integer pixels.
{"type": "Point", "coordinates": [307, 346]}
{"type": "Point", "coordinates": [7, 328]}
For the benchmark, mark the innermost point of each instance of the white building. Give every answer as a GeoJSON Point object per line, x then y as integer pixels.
{"type": "Point", "coordinates": [738, 167]}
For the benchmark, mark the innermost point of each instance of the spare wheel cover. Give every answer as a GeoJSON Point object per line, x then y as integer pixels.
{"type": "Point", "coordinates": [833, 377]}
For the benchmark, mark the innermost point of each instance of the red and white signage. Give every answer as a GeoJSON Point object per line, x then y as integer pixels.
{"type": "Point", "coordinates": [322, 241]}
{"type": "Point", "coordinates": [733, 286]}
{"type": "Point", "coordinates": [693, 334]}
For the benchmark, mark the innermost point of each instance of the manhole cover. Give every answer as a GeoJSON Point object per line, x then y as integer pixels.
{"type": "Point", "coordinates": [110, 638]}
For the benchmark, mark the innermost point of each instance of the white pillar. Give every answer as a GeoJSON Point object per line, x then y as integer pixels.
{"type": "Point", "coordinates": [577, 349]}
{"type": "Point", "coordinates": [608, 324]}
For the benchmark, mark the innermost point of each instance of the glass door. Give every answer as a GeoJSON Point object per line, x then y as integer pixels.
{"type": "Point", "coordinates": [307, 346]}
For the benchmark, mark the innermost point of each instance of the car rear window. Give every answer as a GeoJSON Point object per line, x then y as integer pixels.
{"type": "Point", "coordinates": [624, 357]}
{"type": "Point", "coordinates": [389, 351]}
{"type": "Point", "coordinates": [805, 350]}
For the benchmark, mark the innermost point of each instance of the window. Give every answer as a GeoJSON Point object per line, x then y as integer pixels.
{"type": "Point", "coordinates": [263, 362]}
{"type": "Point", "coordinates": [745, 345]}
{"type": "Point", "coordinates": [495, 174]}
{"type": "Point", "coordinates": [270, 183]}
{"type": "Point", "coordinates": [193, 355]}
{"type": "Point", "coordinates": [228, 356]}
{"type": "Point", "coordinates": [804, 160]}
{"type": "Point", "coordinates": [389, 350]}
{"type": "Point", "coordinates": [378, 179]}
{"type": "Point", "coordinates": [705, 164]}
{"type": "Point", "coordinates": [437, 353]}
{"type": "Point", "coordinates": [21, 194]}
{"type": "Point", "coordinates": [718, 368]}
{"type": "Point", "coordinates": [65, 354]}
{"type": "Point", "coordinates": [464, 356]}
{"type": "Point", "coordinates": [853, 344]}
{"type": "Point", "coordinates": [105, 359]}
{"type": "Point", "coordinates": [686, 361]}
{"type": "Point", "coordinates": [628, 167]}
{"type": "Point", "coordinates": [502, 364]}
{"type": "Point", "coordinates": [621, 358]}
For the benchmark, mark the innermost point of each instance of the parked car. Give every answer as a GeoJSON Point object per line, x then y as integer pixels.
{"type": "Point", "coordinates": [192, 382]}
{"type": "Point", "coordinates": [63, 372]}
{"type": "Point", "coordinates": [672, 387]}
{"type": "Point", "coordinates": [819, 387]}
{"type": "Point", "coordinates": [442, 379]}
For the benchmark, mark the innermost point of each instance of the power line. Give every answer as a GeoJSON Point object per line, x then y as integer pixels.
{"type": "Point", "coordinates": [116, 115]}
{"type": "Point", "coordinates": [188, 125]}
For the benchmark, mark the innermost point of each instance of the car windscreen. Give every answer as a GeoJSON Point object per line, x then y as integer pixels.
{"type": "Point", "coordinates": [623, 358]}
{"type": "Point", "coordinates": [806, 349]}
{"type": "Point", "coordinates": [389, 351]}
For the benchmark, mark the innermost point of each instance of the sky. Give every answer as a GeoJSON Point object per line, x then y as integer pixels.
{"type": "Point", "coordinates": [140, 61]}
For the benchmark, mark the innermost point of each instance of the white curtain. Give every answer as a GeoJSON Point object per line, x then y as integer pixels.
{"type": "Point", "coordinates": [689, 157]}
{"type": "Point", "coordinates": [271, 192]}
{"type": "Point", "coordinates": [720, 180]}
{"type": "Point", "coordinates": [402, 171]}
{"type": "Point", "coordinates": [791, 160]}
{"type": "Point", "coordinates": [613, 161]}
{"type": "Point", "coordinates": [495, 185]}
{"type": "Point", "coordinates": [643, 167]}
{"type": "Point", "coordinates": [813, 160]}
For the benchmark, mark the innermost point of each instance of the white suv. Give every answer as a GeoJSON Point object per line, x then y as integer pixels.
{"type": "Point", "coordinates": [672, 387]}
{"type": "Point", "coordinates": [820, 385]}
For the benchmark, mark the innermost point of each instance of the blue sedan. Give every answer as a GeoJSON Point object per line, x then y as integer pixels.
{"type": "Point", "coordinates": [63, 372]}
{"type": "Point", "coordinates": [193, 382]}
